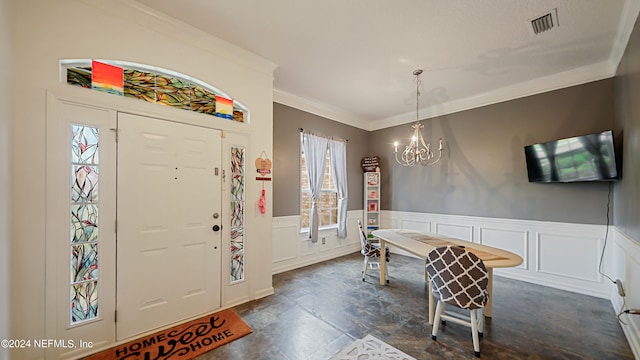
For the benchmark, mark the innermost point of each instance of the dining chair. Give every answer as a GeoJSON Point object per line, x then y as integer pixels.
{"type": "Point", "coordinates": [371, 250]}
{"type": "Point", "coordinates": [458, 278]}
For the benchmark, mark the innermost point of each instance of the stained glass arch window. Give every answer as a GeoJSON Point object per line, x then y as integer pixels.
{"type": "Point", "coordinates": [155, 85]}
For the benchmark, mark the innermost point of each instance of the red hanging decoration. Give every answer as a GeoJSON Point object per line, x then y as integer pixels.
{"type": "Point", "coordinates": [262, 201]}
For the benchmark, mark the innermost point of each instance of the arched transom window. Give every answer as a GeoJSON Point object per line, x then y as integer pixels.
{"type": "Point", "coordinates": [154, 85]}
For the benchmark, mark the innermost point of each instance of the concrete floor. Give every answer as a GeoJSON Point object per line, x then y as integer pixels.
{"type": "Point", "coordinates": [319, 309]}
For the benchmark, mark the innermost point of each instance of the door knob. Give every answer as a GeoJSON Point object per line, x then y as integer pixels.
{"type": "Point", "coordinates": [216, 227]}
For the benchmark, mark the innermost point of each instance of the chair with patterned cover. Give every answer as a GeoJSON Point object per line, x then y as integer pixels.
{"type": "Point", "coordinates": [371, 250]}
{"type": "Point", "coordinates": [459, 278]}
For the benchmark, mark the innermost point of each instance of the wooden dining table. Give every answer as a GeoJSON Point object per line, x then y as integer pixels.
{"type": "Point", "coordinates": [420, 243]}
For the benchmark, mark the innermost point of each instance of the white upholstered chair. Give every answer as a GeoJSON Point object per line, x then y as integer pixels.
{"type": "Point", "coordinates": [459, 278]}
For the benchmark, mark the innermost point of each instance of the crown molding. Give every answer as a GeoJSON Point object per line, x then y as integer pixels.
{"type": "Point", "coordinates": [320, 109]}
{"type": "Point", "coordinates": [544, 84]}
{"type": "Point", "coordinates": [583, 75]}
{"type": "Point", "coordinates": [627, 22]}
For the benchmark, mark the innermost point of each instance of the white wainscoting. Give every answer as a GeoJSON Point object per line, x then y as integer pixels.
{"type": "Point", "coordinates": [626, 267]}
{"type": "Point", "coordinates": [292, 250]}
{"type": "Point", "coordinates": [560, 255]}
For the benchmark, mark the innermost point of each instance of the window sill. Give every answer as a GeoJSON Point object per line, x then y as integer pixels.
{"type": "Point", "coordinates": [323, 231]}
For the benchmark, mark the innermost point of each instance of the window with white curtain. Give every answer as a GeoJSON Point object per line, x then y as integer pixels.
{"type": "Point", "coordinates": [324, 193]}
{"type": "Point", "coordinates": [328, 204]}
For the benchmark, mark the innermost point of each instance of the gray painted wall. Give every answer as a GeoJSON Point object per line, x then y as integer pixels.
{"type": "Point", "coordinates": [483, 172]}
{"type": "Point", "coordinates": [627, 120]}
{"type": "Point", "coordinates": [286, 156]}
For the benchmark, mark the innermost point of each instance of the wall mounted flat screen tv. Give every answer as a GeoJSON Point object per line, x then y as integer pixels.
{"type": "Point", "coordinates": [581, 158]}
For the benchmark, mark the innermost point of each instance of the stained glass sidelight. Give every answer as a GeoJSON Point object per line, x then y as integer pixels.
{"type": "Point", "coordinates": [84, 234]}
{"type": "Point", "coordinates": [237, 213]}
{"type": "Point", "coordinates": [84, 262]}
{"type": "Point", "coordinates": [84, 223]}
{"type": "Point", "coordinates": [237, 254]}
{"type": "Point", "coordinates": [84, 145]}
{"type": "Point", "coordinates": [84, 187]}
{"type": "Point", "coordinates": [84, 301]}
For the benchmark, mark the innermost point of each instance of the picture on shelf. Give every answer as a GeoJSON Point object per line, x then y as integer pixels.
{"type": "Point", "coordinates": [373, 221]}
{"type": "Point", "coordinates": [372, 179]}
{"type": "Point", "coordinates": [373, 206]}
{"type": "Point", "coordinates": [373, 194]}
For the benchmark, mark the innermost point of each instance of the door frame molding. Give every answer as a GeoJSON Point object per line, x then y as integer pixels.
{"type": "Point", "coordinates": [59, 94]}
{"type": "Point", "coordinates": [61, 113]}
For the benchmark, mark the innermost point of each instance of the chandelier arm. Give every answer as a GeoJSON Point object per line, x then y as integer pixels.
{"type": "Point", "coordinates": [425, 151]}
{"type": "Point", "coordinates": [398, 160]}
{"type": "Point", "coordinates": [430, 161]}
{"type": "Point", "coordinates": [408, 156]}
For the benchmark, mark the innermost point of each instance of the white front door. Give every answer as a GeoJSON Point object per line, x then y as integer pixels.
{"type": "Point", "coordinates": [168, 201]}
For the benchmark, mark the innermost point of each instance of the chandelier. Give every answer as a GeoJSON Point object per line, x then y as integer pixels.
{"type": "Point", "coordinates": [417, 152]}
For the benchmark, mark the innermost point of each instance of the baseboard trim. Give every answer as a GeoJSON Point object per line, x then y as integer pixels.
{"type": "Point", "coordinates": [310, 260]}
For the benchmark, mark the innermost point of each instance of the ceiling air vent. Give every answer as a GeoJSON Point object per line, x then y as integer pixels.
{"type": "Point", "coordinates": [545, 22]}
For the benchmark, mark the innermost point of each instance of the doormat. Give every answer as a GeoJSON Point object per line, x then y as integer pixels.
{"type": "Point", "coordinates": [183, 341]}
{"type": "Point", "coordinates": [370, 348]}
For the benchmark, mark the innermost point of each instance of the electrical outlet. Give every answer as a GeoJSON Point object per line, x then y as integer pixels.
{"type": "Point", "coordinates": [620, 288]}
{"type": "Point", "coordinates": [324, 241]}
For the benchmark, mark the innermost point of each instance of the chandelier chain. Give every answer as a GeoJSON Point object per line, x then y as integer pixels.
{"type": "Point", "coordinates": [418, 83]}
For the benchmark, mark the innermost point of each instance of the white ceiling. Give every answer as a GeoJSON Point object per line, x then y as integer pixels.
{"type": "Point", "coordinates": [352, 60]}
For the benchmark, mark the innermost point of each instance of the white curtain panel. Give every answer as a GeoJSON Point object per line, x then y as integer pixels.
{"type": "Point", "coordinates": [338, 149]}
{"type": "Point", "coordinates": [315, 152]}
